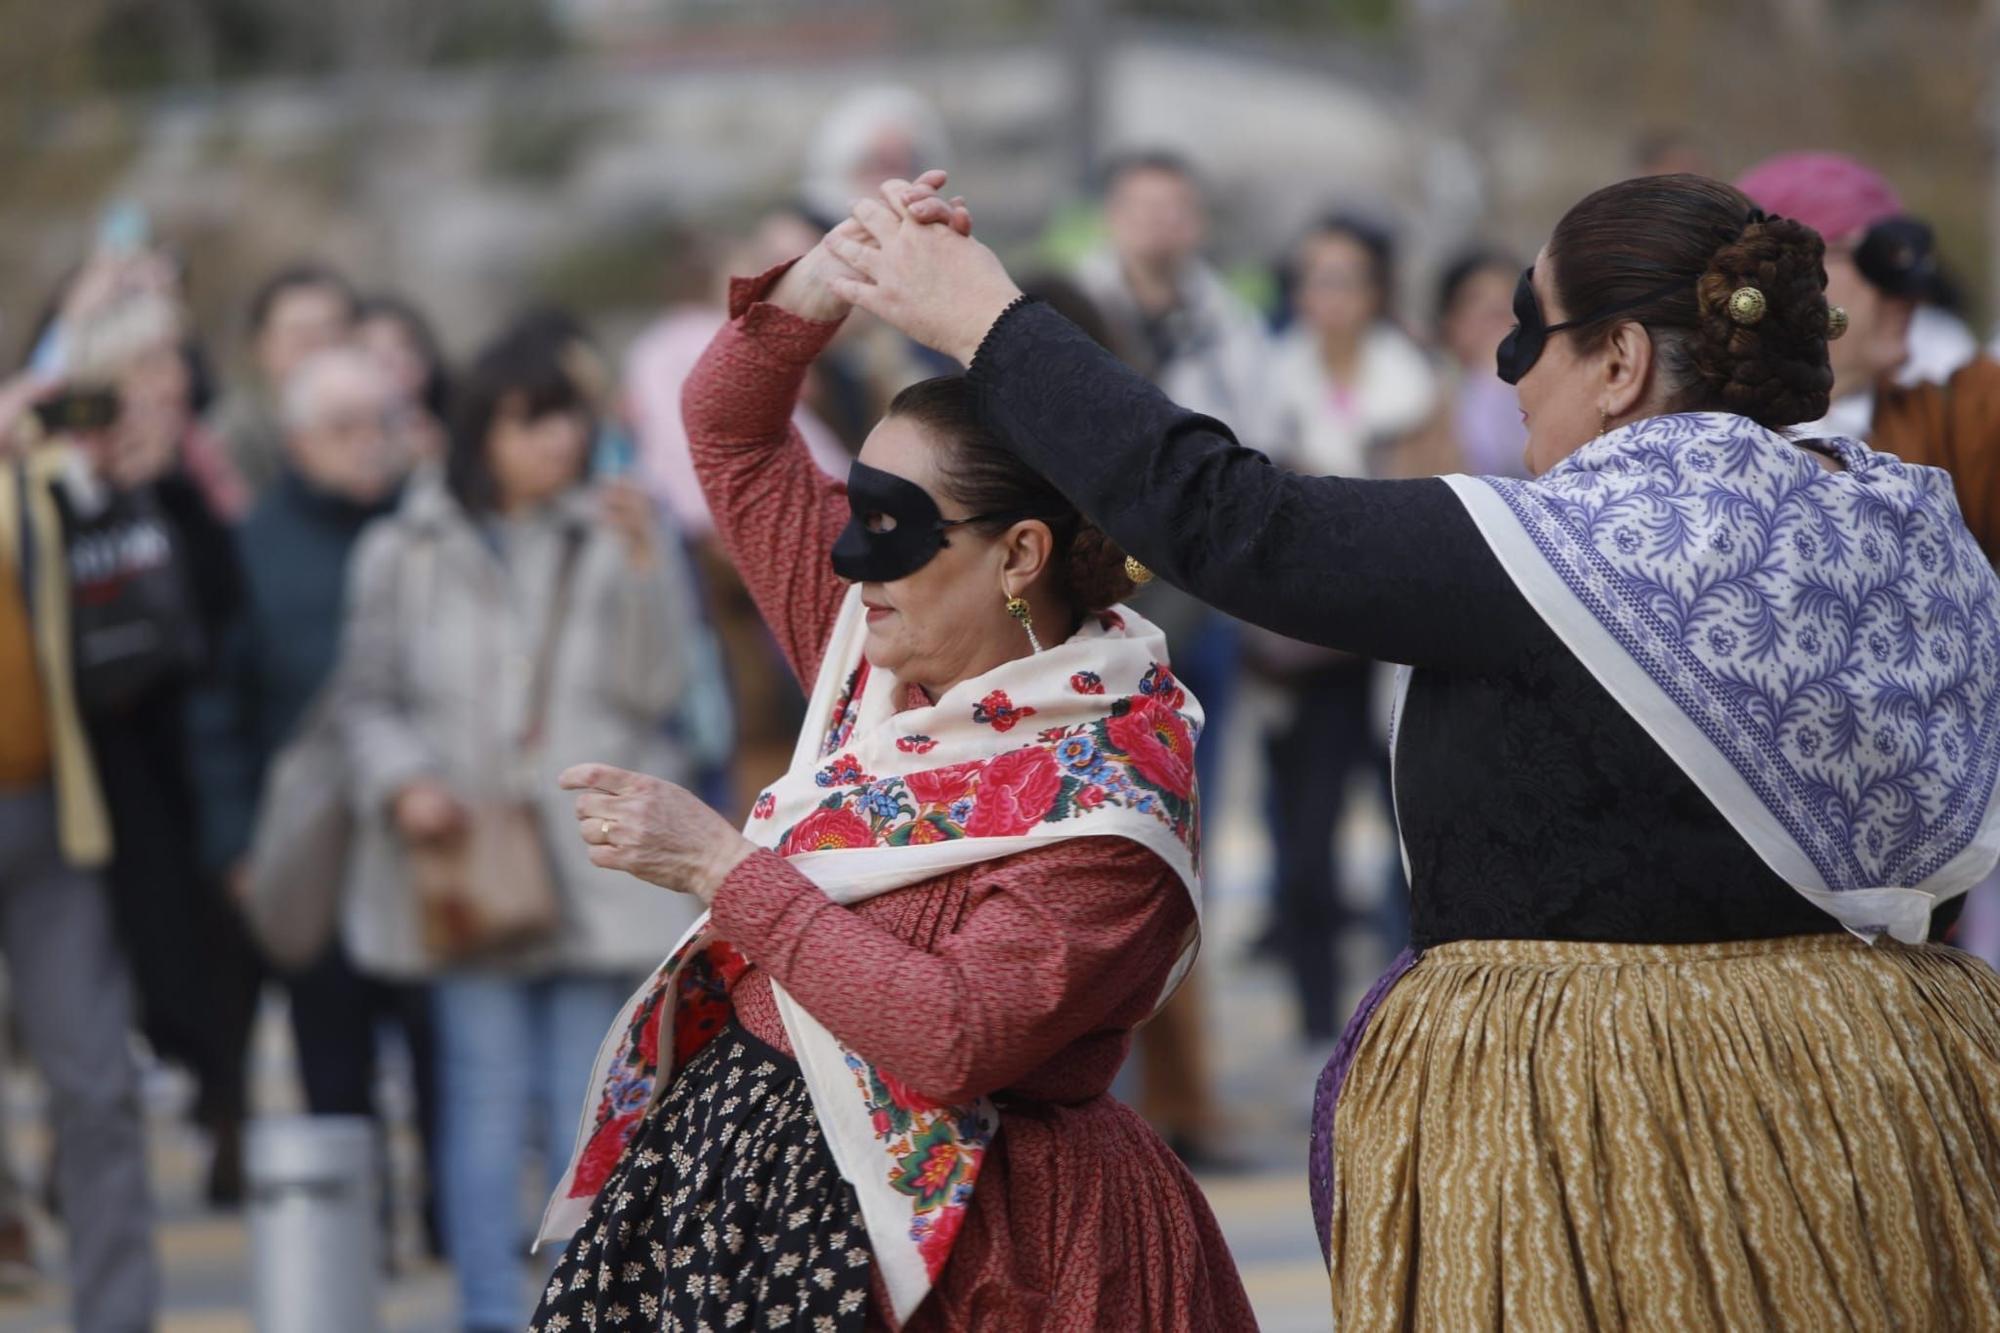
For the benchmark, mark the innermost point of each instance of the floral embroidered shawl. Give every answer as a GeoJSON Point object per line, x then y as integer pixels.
{"type": "Point", "coordinates": [1091, 738]}
{"type": "Point", "coordinates": [1819, 650]}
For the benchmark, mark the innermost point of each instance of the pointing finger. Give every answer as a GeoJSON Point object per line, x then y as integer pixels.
{"type": "Point", "coordinates": [596, 777]}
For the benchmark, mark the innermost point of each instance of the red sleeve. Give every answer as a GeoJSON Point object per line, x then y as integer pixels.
{"type": "Point", "coordinates": [776, 513]}
{"type": "Point", "coordinates": [1061, 941]}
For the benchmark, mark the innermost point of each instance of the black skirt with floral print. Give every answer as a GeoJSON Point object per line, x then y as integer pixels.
{"type": "Point", "coordinates": [726, 1212]}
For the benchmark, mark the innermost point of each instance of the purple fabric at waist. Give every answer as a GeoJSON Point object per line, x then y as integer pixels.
{"type": "Point", "coordinates": [1319, 1160]}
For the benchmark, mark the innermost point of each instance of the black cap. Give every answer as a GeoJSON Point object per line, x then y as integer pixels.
{"type": "Point", "coordinates": [1899, 256]}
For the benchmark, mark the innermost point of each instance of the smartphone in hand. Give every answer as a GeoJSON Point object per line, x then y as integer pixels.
{"type": "Point", "coordinates": [613, 455]}
{"type": "Point", "coordinates": [76, 410]}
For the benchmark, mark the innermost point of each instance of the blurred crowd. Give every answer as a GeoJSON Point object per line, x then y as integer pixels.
{"type": "Point", "coordinates": [351, 602]}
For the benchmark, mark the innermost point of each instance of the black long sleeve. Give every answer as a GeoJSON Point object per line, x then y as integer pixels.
{"type": "Point", "coordinates": [1394, 570]}
{"type": "Point", "coordinates": [1531, 805]}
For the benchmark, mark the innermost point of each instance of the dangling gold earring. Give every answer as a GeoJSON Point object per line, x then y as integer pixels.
{"type": "Point", "coordinates": [1603, 422]}
{"type": "Point", "coordinates": [1017, 607]}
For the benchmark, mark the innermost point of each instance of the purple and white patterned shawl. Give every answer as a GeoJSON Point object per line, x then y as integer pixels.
{"type": "Point", "coordinates": [1818, 650]}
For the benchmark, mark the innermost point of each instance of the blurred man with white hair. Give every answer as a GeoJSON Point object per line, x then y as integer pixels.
{"type": "Point", "coordinates": [344, 459]}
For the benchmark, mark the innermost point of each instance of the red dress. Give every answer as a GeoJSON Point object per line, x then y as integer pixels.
{"type": "Point", "coordinates": [1020, 979]}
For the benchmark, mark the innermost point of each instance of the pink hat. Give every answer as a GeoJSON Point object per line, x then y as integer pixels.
{"type": "Point", "coordinates": [1830, 192]}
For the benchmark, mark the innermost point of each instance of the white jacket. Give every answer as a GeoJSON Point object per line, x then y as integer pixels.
{"type": "Point", "coordinates": [436, 660]}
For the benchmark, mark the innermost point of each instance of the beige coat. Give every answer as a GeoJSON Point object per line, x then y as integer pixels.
{"type": "Point", "coordinates": [29, 522]}
{"type": "Point", "coordinates": [435, 669]}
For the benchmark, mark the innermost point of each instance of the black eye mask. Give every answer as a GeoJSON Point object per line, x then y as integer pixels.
{"type": "Point", "coordinates": [871, 551]}
{"type": "Point", "coordinates": [1522, 347]}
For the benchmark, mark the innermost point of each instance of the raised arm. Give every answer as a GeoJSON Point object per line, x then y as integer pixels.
{"type": "Point", "coordinates": [775, 512]}
{"type": "Point", "coordinates": [1390, 569]}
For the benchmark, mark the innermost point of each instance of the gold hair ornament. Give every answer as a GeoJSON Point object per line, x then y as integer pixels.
{"type": "Point", "coordinates": [1747, 306]}
{"type": "Point", "coordinates": [1138, 573]}
{"type": "Point", "coordinates": [1836, 322]}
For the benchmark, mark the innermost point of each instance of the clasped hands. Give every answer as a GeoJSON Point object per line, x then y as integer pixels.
{"type": "Point", "coordinates": [909, 257]}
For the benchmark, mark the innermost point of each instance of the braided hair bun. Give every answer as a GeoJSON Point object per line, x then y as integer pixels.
{"type": "Point", "coordinates": [1669, 252]}
{"type": "Point", "coordinates": [1773, 370]}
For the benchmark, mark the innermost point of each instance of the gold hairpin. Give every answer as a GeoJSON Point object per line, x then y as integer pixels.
{"type": "Point", "coordinates": [1138, 573]}
{"type": "Point", "coordinates": [1747, 306]}
{"type": "Point", "coordinates": [1836, 322]}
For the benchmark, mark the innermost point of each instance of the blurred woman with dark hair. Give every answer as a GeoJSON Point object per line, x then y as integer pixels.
{"type": "Point", "coordinates": [1350, 389]}
{"type": "Point", "coordinates": [1699, 734]}
{"type": "Point", "coordinates": [1482, 419]}
{"type": "Point", "coordinates": [508, 621]}
{"type": "Point", "coordinates": [1349, 383]}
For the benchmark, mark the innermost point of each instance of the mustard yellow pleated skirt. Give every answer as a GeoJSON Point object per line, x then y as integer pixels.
{"type": "Point", "coordinates": [1786, 1134]}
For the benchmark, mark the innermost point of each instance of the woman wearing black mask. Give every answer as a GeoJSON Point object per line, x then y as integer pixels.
{"type": "Point", "coordinates": [1702, 726]}
{"type": "Point", "coordinates": [871, 1088]}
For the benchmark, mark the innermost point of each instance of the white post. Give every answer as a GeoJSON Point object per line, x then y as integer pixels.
{"type": "Point", "coordinates": [315, 1243]}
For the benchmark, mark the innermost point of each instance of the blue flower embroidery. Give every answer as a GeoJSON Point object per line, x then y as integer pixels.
{"type": "Point", "coordinates": [1076, 752]}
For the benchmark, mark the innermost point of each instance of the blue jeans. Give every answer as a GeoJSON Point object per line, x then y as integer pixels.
{"type": "Point", "coordinates": [514, 1059]}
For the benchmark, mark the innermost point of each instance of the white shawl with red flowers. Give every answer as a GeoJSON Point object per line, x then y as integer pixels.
{"type": "Point", "coordinates": [1092, 738]}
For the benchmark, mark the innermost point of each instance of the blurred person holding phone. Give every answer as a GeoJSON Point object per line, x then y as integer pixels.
{"type": "Point", "coordinates": [344, 464]}
{"type": "Point", "coordinates": [1881, 264]}
{"type": "Point", "coordinates": [508, 620]}
{"type": "Point", "coordinates": [153, 578]}
{"type": "Point", "coordinates": [167, 386]}
{"type": "Point", "coordinates": [70, 989]}
{"type": "Point", "coordinates": [299, 310]}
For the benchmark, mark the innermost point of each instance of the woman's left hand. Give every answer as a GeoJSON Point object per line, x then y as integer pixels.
{"type": "Point", "coordinates": [654, 830]}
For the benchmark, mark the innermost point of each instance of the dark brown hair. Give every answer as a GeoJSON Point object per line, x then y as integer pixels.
{"type": "Point", "coordinates": [292, 278]}
{"type": "Point", "coordinates": [1377, 244]}
{"type": "Point", "coordinates": [525, 366]}
{"type": "Point", "coordinates": [1667, 252]}
{"type": "Point", "coordinates": [979, 472]}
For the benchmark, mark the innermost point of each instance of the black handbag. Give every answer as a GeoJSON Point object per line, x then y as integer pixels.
{"type": "Point", "coordinates": [133, 619]}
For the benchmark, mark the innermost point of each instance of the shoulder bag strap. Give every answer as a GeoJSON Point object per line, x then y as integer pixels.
{"type": "Point", "coordinates": [545, 655]}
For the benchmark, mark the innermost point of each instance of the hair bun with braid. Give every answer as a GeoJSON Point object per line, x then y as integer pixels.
{"type": "Point", "coordinates": [1773, 370]}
